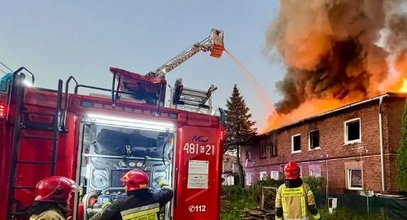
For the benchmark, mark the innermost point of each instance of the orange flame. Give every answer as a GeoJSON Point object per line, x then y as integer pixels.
{"type": "Point", "coordinates": [308, 36]}
{"type": "Point", "coordinates": [403, 87]}
{"type": "Point", "coordinates": [307, 109]}
{"type": "Point", "coordinates": [396, 83]}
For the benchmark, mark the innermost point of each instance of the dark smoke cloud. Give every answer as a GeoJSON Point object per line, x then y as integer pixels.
{"type": "Point", "coordinates": [336, 48]}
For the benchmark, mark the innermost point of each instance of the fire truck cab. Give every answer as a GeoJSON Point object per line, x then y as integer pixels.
{"type": "Point", "coordinates": [96, 139]}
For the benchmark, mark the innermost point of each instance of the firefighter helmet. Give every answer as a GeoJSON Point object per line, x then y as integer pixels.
{"type": "Point", "coordinates": [135, 180]}
{"type": "Point", "coordinates": [55, 189]}
{"type": "Point", "coordinates": [292, 170]}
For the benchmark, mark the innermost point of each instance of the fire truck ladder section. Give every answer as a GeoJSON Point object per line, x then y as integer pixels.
{"type": "Point", "coordinates": [188, 98]}
{"type": "Point", "coordinates": [192, 99]}
{"type": "Point", "coordinates": [23, 130]}
{"type": "Point", "coordinates": [213, 43]}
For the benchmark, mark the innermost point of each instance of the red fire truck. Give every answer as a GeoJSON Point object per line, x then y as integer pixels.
{"type": "Point", "coordinates": [95, 139]}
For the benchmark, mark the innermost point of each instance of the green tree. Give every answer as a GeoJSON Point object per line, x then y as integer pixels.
{"type": "Point", "coordinates": [239, 126]}
{"type": "Point", "coordinates": [402, 157]}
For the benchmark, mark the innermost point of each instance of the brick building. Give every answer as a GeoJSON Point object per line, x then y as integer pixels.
{"type": "Point", "coordinates": [230, 173]}
{"type": "Point", "coordinates": [353, 147]}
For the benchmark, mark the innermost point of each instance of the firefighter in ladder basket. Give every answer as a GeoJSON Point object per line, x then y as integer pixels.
{"type": "Point", "coordinates": [294, 199]}
{"type": "Point", "coordinates": [140, 202]}
{"type": "Point", "coordinates": [54, 199]}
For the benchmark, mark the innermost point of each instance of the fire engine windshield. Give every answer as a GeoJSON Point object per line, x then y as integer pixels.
{"type": "Point", "coordinates": [128, 143]}
{"type": "Point", "coordinates": [108, 152]}
{"type": "Point", "coordinates": [116, 176]}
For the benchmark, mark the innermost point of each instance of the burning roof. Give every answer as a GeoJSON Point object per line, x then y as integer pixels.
{"type": "Point", "coordinates": [337, 52]}
{"type": "Point", "coordinates": [339, 109]}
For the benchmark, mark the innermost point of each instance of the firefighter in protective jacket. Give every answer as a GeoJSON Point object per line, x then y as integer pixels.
{"type": "Point", "coordinates": [140, 202]}
{"type": "Point", "coordinates": [54, 199]}
{"type": "Point", "coordinates": [294, 199]}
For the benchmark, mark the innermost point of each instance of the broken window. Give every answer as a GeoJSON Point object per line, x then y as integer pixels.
{"type": "Point", "coordinates": [263, 149]}
{"type": "Point", "coordinates": [248, 155]}
{"type": "Point", "coordinates": [296, 143]}
{"type": "Point", "coordinates": [314, 139]}
{"type": "Point", "coordinates": [355, 178]}
{"type": "Point", "coordinates": [352, 131]}
{"type": "Point", "coordinates": [272, 150]}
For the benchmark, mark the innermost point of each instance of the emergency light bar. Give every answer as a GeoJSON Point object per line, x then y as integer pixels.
{"type": "Point", "coordinates": [129, 122]}
{"type": "Point", "coordinates": [2, 111]}
{"type": "Point", "coordinates": [27, 83]}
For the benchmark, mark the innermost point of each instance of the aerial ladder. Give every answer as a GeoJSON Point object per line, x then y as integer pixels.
{"type": "Point", "coordinates": [151, 87]}
{"type": "Point", "coordinates": [213, 43]}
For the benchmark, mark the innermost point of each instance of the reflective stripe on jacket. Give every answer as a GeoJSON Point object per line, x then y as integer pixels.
{"type": "Point", "coordinates": [135, 199]}
{"type": "Point", "coordinates": [148, 212]}
{"type": "Point", "coordinates": [295, 201]}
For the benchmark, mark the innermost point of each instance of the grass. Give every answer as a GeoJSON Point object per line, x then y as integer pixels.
{"type": "Point", "coordinates": [237, 200]}
{"type": "Point", "coordinates": [239, 204]}
{"type": "Point", "coordinates": [237, 207]}
{"type": "Point", "coordinates": [346, 214]}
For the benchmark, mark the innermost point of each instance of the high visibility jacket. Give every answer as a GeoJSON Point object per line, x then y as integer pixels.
{"type": "Point", "coordinates": [295, 202]}
{"type": "Point", "coordinates": [138, 205]}
{"type": "Point", "coordinates": [48, 215]}
{"type": "Point", "coordinates": [147, 212]}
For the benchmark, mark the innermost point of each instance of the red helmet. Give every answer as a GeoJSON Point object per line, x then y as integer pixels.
{"type": "Point", "coordinates": [135, 180]}
{"type": "Point", "coordinates": [56, 189]}
{"type": "Point", "coordinates": [292, 170]}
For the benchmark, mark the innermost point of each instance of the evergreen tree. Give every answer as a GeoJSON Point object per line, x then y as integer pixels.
{"type": "Point", "coordinates": [402, 157]}
{"type": "Point", "coordinates": [239, 126]}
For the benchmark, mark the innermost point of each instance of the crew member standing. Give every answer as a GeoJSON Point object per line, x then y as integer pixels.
{"type": "Point", "coordinates": [54, 199]}
{"type": "Point", "coordinates": [140, 202]}
{"type": "Point", "coordinates": [294, 199]}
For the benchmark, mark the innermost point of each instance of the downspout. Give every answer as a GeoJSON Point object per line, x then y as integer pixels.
{"type": "Point", "coordinates": [381, 141]}
{"type": "Point", "coordinates": [327, 183]}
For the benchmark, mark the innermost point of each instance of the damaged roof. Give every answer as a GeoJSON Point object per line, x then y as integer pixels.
{"type": "Point", "coordinates": [337, 110]}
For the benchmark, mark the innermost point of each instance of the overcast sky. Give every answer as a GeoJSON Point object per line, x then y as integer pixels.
{"type": "Point", "coordinates": [56, 39]}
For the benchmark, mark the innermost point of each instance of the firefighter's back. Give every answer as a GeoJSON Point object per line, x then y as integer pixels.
{"type": "Point", "coordinates": [143, 201]}
{"type": "Point", "coordinates": [294, 201]}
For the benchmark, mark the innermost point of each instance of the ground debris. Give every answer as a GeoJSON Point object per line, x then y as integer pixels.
{"type": "Point", "coordinates": [258, 214]}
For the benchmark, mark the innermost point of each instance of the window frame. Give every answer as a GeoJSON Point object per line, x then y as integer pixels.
{"type": "Point", "coordinates": [261, 173]}
{"type": "Point", "coordinates": [263, 151]}
{"type": "Point", "coordinates": [292, 144]}
{"type": "Point", "coordinates": [248, 155]}
{"type": "Point", "coordinates": [312, 168]}
{"type": "Point", "coordinates": [345, 127]}
{"type": "Point", "coordinates": [349, 178]}
{"type": "Point", "coordinates": [249, 178]}
{"type": "Point", "coordinates": [272, 150]}
{"type": "Point", "coordinates": [274, 171]}
{"type": "Point", "coordinates": [309, 140]}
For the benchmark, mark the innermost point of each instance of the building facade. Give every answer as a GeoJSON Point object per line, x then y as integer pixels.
{"type": "Point", "coordinates": [354, 148]}
{"type": "Point", "coordinates": [230, 172]}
